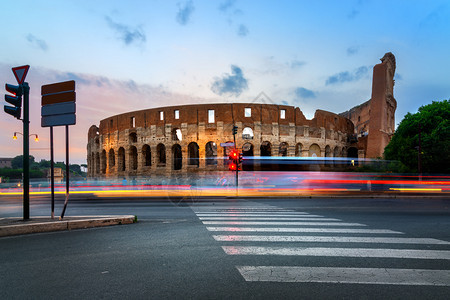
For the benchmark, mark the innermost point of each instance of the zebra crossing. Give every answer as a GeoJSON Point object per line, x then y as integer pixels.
{"type": "Point", "coordinates": [248, 229]}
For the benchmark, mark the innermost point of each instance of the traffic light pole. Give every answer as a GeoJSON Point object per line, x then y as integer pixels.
{"type": "Point", "coordinates": [237, 165]}
{"type": "Point", "coordinates": [26, 152]}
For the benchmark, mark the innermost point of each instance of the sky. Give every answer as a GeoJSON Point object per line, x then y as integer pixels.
{"type": "Point", "coordinates": [132, 55]}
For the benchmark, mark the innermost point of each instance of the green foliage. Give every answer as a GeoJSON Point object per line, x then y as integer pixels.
{"type": "Point", "coordinates": [433, 122]}
{"type": "Point", "coordinates": [17, 162]}
{"type": "Point", "coordinates": [37, 170]}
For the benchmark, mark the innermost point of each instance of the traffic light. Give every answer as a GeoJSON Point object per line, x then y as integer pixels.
{"type": "Point", "coordinates": [235, 129]}
{"type": "Point", "coordinates": [235, 159]}
{"type": "Point", "coordinates": [15, 100]}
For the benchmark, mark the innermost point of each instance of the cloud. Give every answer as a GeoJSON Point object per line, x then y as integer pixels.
{"type": "Point", "coordinates": [226, 5]}
{"type": "Point", "coordinates": [126, 34]}
{"type": "Point", "coordinates": [295, 64]}
{"type": "Point", "coordinates": [347, 76]}
{"type": "Point", "coordinates": [35, 42]}
{"type": "Point", "coordinates": [301, 92]}
{"type": "Point", "coordinates": [184, 12]}
{"type": "Point", "coordinates": [242, 30]}
{"type": "Point", "coordinates": [353, 14]}
{"type": "Point", "coordinates": [352, 50]}
{"type": "Point", "coordinates": [233, 84]}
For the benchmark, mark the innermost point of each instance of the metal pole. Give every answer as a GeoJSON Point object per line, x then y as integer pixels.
{"type": "Point", "coordinates": [420, 153]}
{"type": "Point", "coordinates": [26, 152]}
{"type": "Point", "coordinates": [52, 172]}
{"type": "Point", "coordinates": [67, 172]}
{"type": "Point", "coordinates": [237, 163]}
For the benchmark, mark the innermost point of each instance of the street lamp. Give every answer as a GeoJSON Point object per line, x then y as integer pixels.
{"type": "Point", "coordinates": [36, 138]}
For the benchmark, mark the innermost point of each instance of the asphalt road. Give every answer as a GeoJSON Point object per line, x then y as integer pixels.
{"type": "Point", "coordinates": [332, 248]}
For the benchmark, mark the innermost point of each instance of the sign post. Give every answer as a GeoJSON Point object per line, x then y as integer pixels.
{"type": "Point", "coordinates": [58, 109]}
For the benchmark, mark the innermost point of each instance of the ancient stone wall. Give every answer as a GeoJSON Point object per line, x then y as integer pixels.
{"type": "Point", "coordinates": [188, 138]}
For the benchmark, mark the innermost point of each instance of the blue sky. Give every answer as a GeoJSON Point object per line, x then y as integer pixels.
{"type": "Point", "coordinates": [131, 55]}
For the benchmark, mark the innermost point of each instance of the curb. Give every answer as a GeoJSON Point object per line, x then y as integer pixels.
{"type": "Point", "coordinates": [71, 223]}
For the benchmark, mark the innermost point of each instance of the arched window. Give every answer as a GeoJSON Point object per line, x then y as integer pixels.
{"type": "Point", "coordinates": [133, 158]}
{"type": "Point", "coordinates": [97, 163]}
{"type": "Point", "coordinates": [211, 154]}
{"type": "Point", "coordinates": [147, 155]}
{"type": "Point", "coordinates": [121, 159]}
{"type": "Point", "coordinates": [112, 158]}
{"type": "Point", "coordinates": [314, 150]}
{"type": "Point", "coordinates": [161, 152]}
{"type": "Point", "coordinates": [298, 150]}
{"type": "Point", "coordinates": [193, 154]}
{"type": "Point", "coordinates": [328, 154]}
{"type": "Point", "coordinates": [336, 151]}
{"type": "Point", "coordinates": [266, 149]}
{"type": "Point", "coordinates": [177, 157]}
{"type": "Point", "coordinates": [103, 161]}
{"type": "Point", "coordinates": [247, 151]}
{"type": "Point", "coordinates": [176, 134]}
{"type": "Point", "coordinates": [133, 137]}
{"type": "Point", "coordinates": [247, 133]}
{"type": "Point", "coordinates": [283, 150]}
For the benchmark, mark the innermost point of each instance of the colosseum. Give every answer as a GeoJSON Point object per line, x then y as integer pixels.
{"type": "Point", "coordinates": [192, 138]}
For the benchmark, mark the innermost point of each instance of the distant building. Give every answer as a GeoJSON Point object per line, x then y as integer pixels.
{"type": "Point", "coordinates": [58, 174]}
{"type": "Point", "coordinates": [5, 162]}
{"type": "Point", "coordinates": [188, 138]}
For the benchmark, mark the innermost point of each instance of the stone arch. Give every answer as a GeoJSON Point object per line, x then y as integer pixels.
{"type": "Point", "coordinates": [283, 149]}
{"type": "Point", "coordinates": [177, 157]}
{"type": "Point", "coordinates": [121, 160]}
{"type": "Point", "coordinates": [176, 135]}
{"type": "Point", "coordinates": [247, 133]}
{"type": "Point", "coordinates": [314, 151]}
{"type": "Point", "coordinates": [112, 158]}
{"type": "Point", "coordinates": [211, 154]}
{"type": "Point", "coordinates": [336, 152]}
{"type": "Point", "coordinates": [97, 163]}
{"type": "Point", "coordinates": [298, 150]}
{"type": "Point", "coordinates": [103, 161]}
{"type": "Point", "coordinates": [132, 137]}
{"type": "Point", "coordinates": [193, 154]}
{"type": "Point", "coordinates": [352, 152]}
{"type": "Point", "coordinates": [133, 156]}
{"type": "Point", "coordinates": [161, 153]}
{"type": "Point", "coordinates": [266, 149]}
{"type": "Point", "coordinates": [247, 149]}
{"type": "Point", "coordinates": [147, 155]}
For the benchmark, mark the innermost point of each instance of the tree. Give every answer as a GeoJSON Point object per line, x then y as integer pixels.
{"type": "Point", "coordinates": [432, 121]}
{"type": "Point", "coordinates": [17, 162]}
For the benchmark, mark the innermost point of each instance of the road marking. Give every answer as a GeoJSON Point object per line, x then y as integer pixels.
{"type": "Point", "coordinates": [327, 239]}
{"type": "Point", "coordinates": [280, 223]}
{"type": "Point", "coordinates": [341, 252]}
{"type": "Point", "coordinates": [287, 229]}
{"type": "Point", "coordinates": [346, 275]}
{"type": "Point", "coordinates": [269, 218]}
{"type": "Point", "coordinates": [278, 214]}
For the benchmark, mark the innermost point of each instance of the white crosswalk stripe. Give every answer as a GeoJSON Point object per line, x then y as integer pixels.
{"type": "Point", "coordinates": [267, 219]}
{"type": "Point", "coordinates": [284, 227]}
{"type": "Point", "coordinates": [327, 239]}
{"type": "Point", "coordinates": [299, 223]}
{"type": "Point", "coordinates": [304, 230]}
{"type": "Point", "coordinates": [346, 275]}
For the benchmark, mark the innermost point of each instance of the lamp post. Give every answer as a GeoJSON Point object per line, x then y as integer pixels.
{"type": "Point", "coordinates": [36, 137]}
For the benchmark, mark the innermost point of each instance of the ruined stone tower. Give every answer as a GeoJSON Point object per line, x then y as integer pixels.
{"type": "Point", "coordinates": [374, 120]}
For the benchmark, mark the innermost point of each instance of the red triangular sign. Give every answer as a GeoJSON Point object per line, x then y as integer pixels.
{"type": "Point", "coordinates": [20, 73]}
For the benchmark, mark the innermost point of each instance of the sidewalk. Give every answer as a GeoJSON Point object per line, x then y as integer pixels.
{"type": "Point", "coordinates": [17, 226]}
